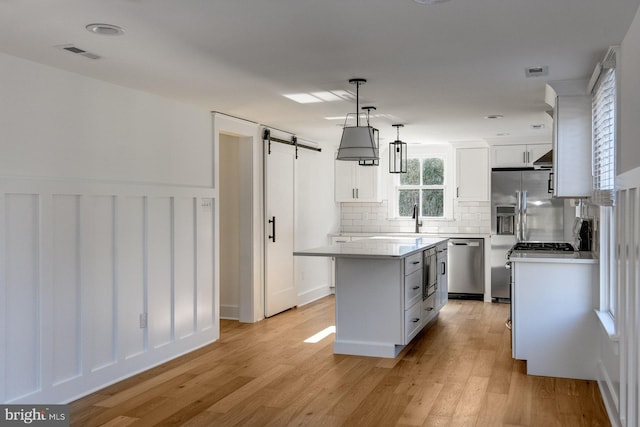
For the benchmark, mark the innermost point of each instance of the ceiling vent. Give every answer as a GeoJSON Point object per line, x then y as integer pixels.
{"type": "Point", "coordinates": [78, 51]}
{"type": "Point", "coordinates": [536, 71]}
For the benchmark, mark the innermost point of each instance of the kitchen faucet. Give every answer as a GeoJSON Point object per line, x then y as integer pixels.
{"type": "Point", "coordinates": [416, 217]}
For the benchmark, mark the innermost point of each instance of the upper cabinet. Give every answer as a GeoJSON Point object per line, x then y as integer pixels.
{"type": "Point", "coordinates": [517, 156]}
{"type": "Point", "coordinates": [571, 137]}
{"type": "Point", "coordinates": [355, 183]}
{"type": "Point", "coordinates": [472, 174]}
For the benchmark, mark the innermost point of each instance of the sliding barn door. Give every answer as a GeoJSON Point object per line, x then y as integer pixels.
{"type": "Point", "coordinates": [280, 292]}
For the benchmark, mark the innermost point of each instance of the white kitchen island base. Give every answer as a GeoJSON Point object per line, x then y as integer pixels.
{"type": "Point", "coordinates": [379, 294]}
{"type": "Point", "coordinates": [369, 306]}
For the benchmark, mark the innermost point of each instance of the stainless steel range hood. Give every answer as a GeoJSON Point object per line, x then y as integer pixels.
{"type": "Point", "coordinates": [545, 161]}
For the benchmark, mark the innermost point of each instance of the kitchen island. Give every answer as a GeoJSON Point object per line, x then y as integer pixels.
{"type": "Point", "coordinates": [380, 283]}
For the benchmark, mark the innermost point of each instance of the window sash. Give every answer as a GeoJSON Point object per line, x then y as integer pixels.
{"type": "Point", "coordinates": [421, 187]}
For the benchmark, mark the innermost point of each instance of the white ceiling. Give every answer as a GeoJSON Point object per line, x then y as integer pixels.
{"type": "Point", "coordinates": [439, 69]}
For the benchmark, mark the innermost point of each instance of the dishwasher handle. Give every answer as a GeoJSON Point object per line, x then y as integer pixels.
{"type": "Point", "coordinates": [474, 244]}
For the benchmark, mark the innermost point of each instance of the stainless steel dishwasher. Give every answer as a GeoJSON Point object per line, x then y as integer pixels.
{"type": "Point", "coordinates": [466, 268]}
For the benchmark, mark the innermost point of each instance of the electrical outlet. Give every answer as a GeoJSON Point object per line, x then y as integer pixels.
{"type": "Point", "coordinates": [143, 320]}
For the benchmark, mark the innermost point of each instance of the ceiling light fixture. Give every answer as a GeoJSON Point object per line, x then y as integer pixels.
{"type": "Point", "coordinates": [358, 142]}
{"type": "Point", "coordinates": [397, 153]}
{"type": "Point", "coordinates": [105, 29]}
{"type": "Point", "coordinates": [371, 162]}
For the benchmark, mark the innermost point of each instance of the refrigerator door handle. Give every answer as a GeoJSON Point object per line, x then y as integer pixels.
{"type": "Point", "coordinates": [518, 217]}
{"type": "Point", "coordinates": [524, 215]}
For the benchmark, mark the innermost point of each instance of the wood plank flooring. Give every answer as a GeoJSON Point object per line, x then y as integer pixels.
{"type": "Point", "coordinates": [457, 372]}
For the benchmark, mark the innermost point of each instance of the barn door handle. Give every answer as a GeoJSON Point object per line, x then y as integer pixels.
{"type": "Point", "coordinates": [273, 229]}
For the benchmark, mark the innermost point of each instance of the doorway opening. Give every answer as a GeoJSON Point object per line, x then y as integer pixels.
{"type": "Point", "coordinates": [235, 155]}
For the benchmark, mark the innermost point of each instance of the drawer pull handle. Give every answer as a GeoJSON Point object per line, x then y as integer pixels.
{"type": "Point", "coordinates": [415, 288]}
{"type": "Point", "coordinates": [429, 308]}
{"type": "Point", "coordinates": [416, 320]}
{"type": "Point", "coordinates": [415, 262]}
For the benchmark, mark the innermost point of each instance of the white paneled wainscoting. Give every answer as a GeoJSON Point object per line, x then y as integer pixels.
{"type": "Point", "coordinates": [100, 280]}
{"type": "Point", "coordinates": [619, 353]}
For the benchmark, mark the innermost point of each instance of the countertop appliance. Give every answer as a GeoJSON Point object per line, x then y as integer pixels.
{"type": "Point", "coordinates": [522, 210]}
{"type": "Point", "coordinates": [466, 279]}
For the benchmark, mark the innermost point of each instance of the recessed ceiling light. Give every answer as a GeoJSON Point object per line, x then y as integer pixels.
{"type": "Point", "coordinates": [494, 116]}
{"type": "Point", "coordinates": [105, 29]}
{"type": "Point", "coordinates": [503, 134]}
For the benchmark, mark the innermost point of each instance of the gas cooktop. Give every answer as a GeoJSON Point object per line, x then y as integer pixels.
{"type": "Point", "coordinates": [543, 246]}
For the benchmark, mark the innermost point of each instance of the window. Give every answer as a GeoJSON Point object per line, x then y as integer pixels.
{"type": "Point", "coordinates": [604, 135]}
{"type": "Point", "coordinates": [424, 185]}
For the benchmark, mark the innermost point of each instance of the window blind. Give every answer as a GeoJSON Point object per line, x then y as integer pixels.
{"type": "Point", "coordinates": [604, 134]}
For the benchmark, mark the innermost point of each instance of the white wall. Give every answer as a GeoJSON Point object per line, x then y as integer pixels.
{"type": "Point", "coordinates": [316, 215]}
{"type": "Point", "coordinates": [107, 212]}
{"type": "Point", "coordinates": [629, 144]}
{"type": "Point", "coordinates": [620, 358]}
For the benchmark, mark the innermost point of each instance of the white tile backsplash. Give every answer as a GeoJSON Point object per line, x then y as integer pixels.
{"type": "Point", "coordinates": [468, 218]}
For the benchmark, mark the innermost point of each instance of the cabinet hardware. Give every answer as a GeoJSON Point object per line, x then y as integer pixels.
{"type": "Point", "coordinates": [357, 193]}
{"type": "Point", "coordinates": [457, 191]}
{"type": "Point", "coordinates": [415, 262]}
{"type": "Point", "coordinates": [273, 229]}
{"type": "Point", "coordinates": [444, 268]}
{"type": "Point", "coordinates": [429, 308]}
{"type": "Point", "coordinates": [550, 183]}
{"type": "Point", "coordinates": [415, 288]}
{"type": "Point", "coordinates": [415, 320]}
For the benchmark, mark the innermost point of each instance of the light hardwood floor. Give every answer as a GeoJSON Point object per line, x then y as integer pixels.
{"type": "Point", "coordinates": [457, 372]}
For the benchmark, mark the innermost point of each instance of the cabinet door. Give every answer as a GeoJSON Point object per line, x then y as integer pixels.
{"type": "Point", "coordinates": [508, 156]}
{"type": "Point", "coordinates": [367, 180]}
{"type": "Point", "coordinates": [472, 174]}
{"type": "Point", "coordinates": [344, 176]}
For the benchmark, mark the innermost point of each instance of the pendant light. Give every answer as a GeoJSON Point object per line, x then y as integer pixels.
{"type": "Point", "coordinates": [398, 154]}
{"type": "Point", "coordinates": [371, 162]}
{"type": "Point", "coordinates": [358, 143]}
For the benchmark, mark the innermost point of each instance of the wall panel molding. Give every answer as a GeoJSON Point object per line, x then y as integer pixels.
{"type": "Point", "coordinates": [82, 263]}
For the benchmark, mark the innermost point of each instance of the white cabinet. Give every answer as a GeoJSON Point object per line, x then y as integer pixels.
{"type": "Point", "coordinates": [472, 174]}
{"type": "Point", "coordinates": [517, 156]}
{"type": "Point", "coordinates": [355, 183]}
{"type": "Point", "coordinates": [552, 318]}
{"type": "Point", "coordinates": [571, 138]}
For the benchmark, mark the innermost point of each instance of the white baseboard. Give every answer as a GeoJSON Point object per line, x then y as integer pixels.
{"type": "Point", "coordinates": [230, 312]}
{"type": "Point", "coordinates": [314, 294]}
{"type": "Point", "coordinates": [607, 390]}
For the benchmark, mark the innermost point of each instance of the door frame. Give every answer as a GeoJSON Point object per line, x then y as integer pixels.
{"type": "Point", "coordinates": [251, 214]}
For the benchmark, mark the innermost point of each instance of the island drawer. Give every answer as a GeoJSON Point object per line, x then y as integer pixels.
{"type": "Point", "coordinates": [412, 322]}
{"type": "Point", "coordinates": [429, 309]}
{"type": "Point", "coordinates": [412, 288]}
{"type": "Point", "coordinates": [413, 263]}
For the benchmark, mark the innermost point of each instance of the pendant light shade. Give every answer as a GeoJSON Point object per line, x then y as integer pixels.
{"type": "Point", "coordinates": [358, 143]}
{"type": "Point", "coordinates": [398, 154]}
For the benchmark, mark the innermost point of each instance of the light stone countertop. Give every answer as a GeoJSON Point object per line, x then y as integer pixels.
{"type": "Point", "coordinates": [375, 247]}
{"type": "Point", "coordinates": [554, 257]}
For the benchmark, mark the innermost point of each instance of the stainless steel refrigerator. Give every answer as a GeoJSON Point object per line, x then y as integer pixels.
{"type": "Point", "coordinates": [522, 210]}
